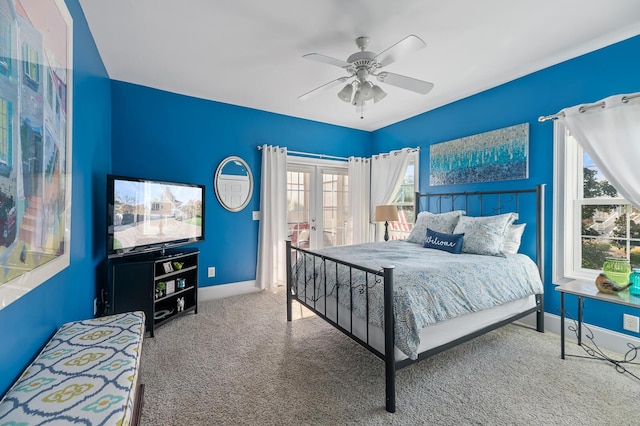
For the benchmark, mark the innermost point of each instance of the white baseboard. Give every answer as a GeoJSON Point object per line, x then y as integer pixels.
{"type": "Point", "coordinates": [226, 290]}
{"type": "Point", "coordinates": [604, 338]}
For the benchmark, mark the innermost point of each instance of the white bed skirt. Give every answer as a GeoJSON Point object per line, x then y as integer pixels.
{"type": "Point", "coordinates": [431, 336]}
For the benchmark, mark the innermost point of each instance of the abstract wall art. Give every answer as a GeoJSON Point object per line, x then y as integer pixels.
{"type": "Point", "coordinates": [35, 143]}
{"type": "Point", "coordinates": [497, 155]}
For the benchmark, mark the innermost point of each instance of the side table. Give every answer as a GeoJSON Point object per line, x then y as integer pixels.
{"type": "Point", "coordinates": [586, 289]}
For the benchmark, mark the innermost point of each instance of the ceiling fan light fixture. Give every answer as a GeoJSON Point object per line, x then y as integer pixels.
{"type": "Point", "coordinates": [364, 65]}
{"type": "Point", "coordinates": [366, 91]}
{"type": "Point", "coordinates": [345, 93]}
{"type": "Point", "coordinates": [378, 94]}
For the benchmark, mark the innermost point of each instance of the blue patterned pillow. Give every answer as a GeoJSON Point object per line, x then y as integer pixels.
{"type": "Point", "coordinates": [441, 222]}
{"type": "Point", "coordinates": [486, 234]}
{"type": "Point", "coordinates": [443, 241]}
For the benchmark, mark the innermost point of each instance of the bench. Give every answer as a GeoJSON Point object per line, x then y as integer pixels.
{"type": "Point", "coordinates": [87, 373]}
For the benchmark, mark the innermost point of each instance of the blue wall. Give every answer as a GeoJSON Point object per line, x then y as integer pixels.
{"type": "Point", "coordinates": [27, 323]}
{"type": "Point", "coordinates": [585, 79]}
{"type": "Point", "coordinates": [131, 130]}
{"type": "Point", "coordinates": [163, 135]}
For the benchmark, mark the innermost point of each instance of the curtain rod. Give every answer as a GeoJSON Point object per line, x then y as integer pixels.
{"type": "Point", "coordinates": [333, 157]}
{"type": "Point", "coordinates": [583, 108]}
{"type": "Point", "coordinates": [386, 154]}
{"type": "Point", "coordinates": [311, 154]}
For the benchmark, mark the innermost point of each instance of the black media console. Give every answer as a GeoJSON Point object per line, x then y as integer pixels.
{"type": "Point", "coordinates": [163, 286]}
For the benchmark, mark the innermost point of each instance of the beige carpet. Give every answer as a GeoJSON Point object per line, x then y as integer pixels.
{"type": "Point", "coordinates": [238, 362]}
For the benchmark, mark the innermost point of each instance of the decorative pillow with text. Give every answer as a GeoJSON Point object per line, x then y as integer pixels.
{"type": "Point", "coordinates": [443, 241]}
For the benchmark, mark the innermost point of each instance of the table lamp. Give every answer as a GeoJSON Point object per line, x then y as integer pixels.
{"type": "Point", "coordinates": [386, 213]}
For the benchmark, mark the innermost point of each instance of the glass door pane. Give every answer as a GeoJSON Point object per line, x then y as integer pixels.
{"type": "Point", "coordinates": [299, 207]}
{"type": "Point", "coordinates": [317, 205]}
{"type": "Point", "coordinates": [334, 208]}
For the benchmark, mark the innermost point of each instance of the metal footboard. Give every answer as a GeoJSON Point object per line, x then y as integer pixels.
{"type": "Point", "coordinates": [300, 258]}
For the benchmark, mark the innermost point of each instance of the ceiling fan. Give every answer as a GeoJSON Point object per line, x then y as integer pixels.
{"type": "Point", "coordinates": [364, 64]}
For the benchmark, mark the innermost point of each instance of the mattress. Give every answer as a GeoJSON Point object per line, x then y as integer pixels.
{"type": "Point", "coordinates": [431, 336]}
{"type": "Point", "coordinates": [86, 374]}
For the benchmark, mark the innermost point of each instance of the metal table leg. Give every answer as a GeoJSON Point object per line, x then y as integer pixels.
{"type": "Point", "coordinates": [562, 325]}
{"type": "Point", "coordinates": [580, 304]}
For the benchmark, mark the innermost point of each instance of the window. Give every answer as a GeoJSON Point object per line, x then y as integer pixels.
{"type": "Point", "coordinates": [592, 221]}
{"type": "Point", "coordinates": [5, 45]}
{"type": "Point", "coordinates": [6, 113]}
{"type": "Point", "coordinates": [31, 66]}
{"type": "Point", "coordinates": [404, 199]}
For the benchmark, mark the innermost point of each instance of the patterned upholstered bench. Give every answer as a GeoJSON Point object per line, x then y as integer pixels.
{"type": "Point", "coordinates": [86, 374]}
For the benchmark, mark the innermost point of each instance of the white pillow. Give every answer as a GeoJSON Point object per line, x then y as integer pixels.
{"type": "Point", "coordinates": [512, 240]}
{"type": "Point", "coordinates": [440, 222]}
{"type": "Point", "coordinates": [485, 234]}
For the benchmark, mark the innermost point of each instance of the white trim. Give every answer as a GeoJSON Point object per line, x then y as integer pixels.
{"type": "Point", "coordinates": [227, 290]}
{"type": "Point", "coordinates": [604, 338]}
{"type": "Point", "coordinates": [306, 161]}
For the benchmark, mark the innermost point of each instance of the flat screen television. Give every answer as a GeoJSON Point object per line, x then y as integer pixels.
{"type": "Point", "coordinates": [145, 215]}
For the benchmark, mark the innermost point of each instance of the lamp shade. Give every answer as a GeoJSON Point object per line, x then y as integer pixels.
{"type": "Point", "coordinates": [366, 91]}
{"type": "Point", "coordinates": [378, 94]}
{"type": "Point", "coordinates": [386, 213]}
{"type": "Point", "coordinates": [345, 93]}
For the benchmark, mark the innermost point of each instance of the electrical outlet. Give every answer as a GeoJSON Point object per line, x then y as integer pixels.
{"type": "Point", "coordinates": [211, 271]}
{"type": "Point", "coordinates": [256, 215]}
{"type": "Point", "coordinates": [630, 323]}
{"type": "Point", "coordinates": [95, 306]}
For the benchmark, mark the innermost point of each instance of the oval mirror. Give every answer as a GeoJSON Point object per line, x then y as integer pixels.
{"type": "Point", "coordinates": [233, 183]}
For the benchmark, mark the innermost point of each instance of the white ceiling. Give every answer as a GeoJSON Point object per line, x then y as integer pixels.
{"type": "Point", "coordinates": [249, 52]}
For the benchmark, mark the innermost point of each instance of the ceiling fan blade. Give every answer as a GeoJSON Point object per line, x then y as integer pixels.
{"type": "Point", "coordinates": [406, 45]}
{"type": "Point", "coordinates": [323, 87]}
{"type": "Point", "coordinates": [404, 82]}
{"type": "Point", "coordinates": [327, 60]}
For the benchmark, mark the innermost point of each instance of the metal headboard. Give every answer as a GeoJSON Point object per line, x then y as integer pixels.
{"type": "Point", "coordinates": [485, 203]}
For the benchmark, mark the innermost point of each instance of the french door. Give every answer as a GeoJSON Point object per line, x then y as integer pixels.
{"type": "Point", "coordinates": [317, 203]}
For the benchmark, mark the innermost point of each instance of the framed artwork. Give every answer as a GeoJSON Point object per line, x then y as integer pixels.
{"type": "Point", "coordinates": [171, 286]}
{"type": "Point", "coordinates": [35, 143]}
{"type": "Point", "coordinates": [492, 156]}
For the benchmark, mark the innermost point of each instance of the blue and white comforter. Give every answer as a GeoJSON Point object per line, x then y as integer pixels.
{"type": "Point", "coordinates": [429, 285]}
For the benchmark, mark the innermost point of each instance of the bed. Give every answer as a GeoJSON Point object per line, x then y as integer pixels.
{"type": "Point", "coordinates": [469, 273]}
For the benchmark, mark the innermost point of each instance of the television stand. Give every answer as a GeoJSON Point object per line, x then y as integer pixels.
{"type": "Point", "coordinates": [163, 284]}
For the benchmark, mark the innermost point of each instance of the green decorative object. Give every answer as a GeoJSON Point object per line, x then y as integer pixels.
{"type": "Point", "coordinates": [617, 269]}
{"type": "Point", "coordinates": [178, 265]}
{"type": "Point", "coordinates": [161, 288]}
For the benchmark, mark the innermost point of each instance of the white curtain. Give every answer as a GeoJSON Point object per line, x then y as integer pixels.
{"type": "Point", "coordinates": [271, 268]}
{"type": "Point", "coordinates": [610, 134]}
{"type": "Point", "coordinates": [387, 172]}
{"type": "Point", "coordinates": [359, 193]}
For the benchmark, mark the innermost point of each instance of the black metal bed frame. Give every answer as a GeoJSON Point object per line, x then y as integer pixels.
{"type": "Point", "coordinates": [385, 275]}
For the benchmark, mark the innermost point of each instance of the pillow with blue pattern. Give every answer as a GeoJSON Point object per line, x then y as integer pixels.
{"type": "Point", "coordinates": [443, 241]}
{"type": "Point", "coordinates": [485, 234]}
{"type": "Point", "coordinates": [439, 222]}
